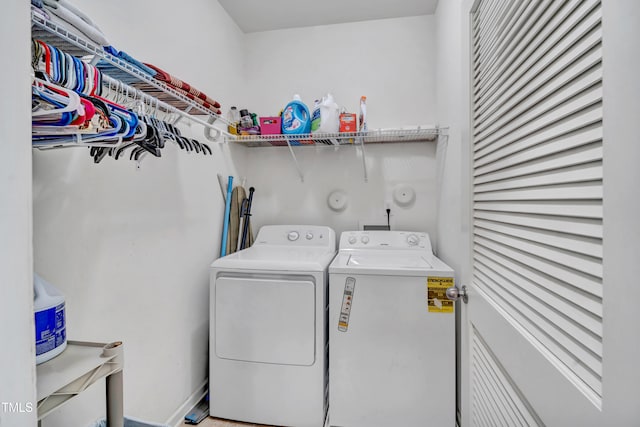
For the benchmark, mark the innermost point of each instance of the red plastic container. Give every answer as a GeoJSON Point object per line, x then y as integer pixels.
{"type": "Point", "coordinates": [270, 125]}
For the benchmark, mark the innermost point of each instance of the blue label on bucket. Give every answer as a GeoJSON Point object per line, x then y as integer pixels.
{"type": "Point", "coordinates": [50, 329]}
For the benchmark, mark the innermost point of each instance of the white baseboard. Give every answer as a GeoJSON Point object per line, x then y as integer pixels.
{"type": "Point", "coordinates": [177, 418]}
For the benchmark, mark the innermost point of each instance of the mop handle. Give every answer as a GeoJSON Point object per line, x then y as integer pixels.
{"type": "Point", "coordinates": [227, 209]}
{"type": "Point", "coordinates": [247, 215]}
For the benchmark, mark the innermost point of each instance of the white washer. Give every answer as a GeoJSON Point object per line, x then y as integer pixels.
{"type": "Point", "coordinates": [392, 333]}
{"type": "Point", "coordinates": [268, 334]}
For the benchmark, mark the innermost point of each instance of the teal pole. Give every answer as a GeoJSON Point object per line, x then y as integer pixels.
{"type": "Point", "coordinates": [227, 209]}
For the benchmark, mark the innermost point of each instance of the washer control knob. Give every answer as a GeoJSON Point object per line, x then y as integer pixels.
{"type": "Point", "coordinates": [309, 236]}
{"type": "Point", "coordinates": [413, 240]}
{"type": "Point", "coordinates": [352, 239]}
{"type": "Point", "coordinates": [365, 239]}
{"type": "Point", "coordinates": [293, 236]}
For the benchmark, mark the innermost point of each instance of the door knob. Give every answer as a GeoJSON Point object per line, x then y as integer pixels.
{"type": "Point", "coordinates": [453, 293]}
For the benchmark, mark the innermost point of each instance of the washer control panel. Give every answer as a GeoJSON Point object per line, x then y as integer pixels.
{"type": "Point", "coordinates": [385, 240]}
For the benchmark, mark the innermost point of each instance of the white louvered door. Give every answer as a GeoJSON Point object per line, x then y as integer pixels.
{"type": "Point", "coordinates": [536, 335]}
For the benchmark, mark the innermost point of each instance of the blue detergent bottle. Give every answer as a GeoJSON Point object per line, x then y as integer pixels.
{"type": "Point", "coordinates": [296, 118]}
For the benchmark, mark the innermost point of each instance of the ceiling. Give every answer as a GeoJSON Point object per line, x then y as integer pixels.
{"type": "Point", "coordinates": [264, 15]}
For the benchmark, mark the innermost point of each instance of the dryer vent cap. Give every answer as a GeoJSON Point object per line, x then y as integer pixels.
{"type": "Point", "coordinates": [404, 195]}
{"type": "Point", "coordinates": [337, 201]}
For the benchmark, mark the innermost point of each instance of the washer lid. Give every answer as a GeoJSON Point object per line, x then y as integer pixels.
{"type": "Point", "coordinates": [391, 262]}
{"type": "Point", "coordinates": [277, 257]}
{"type": "Point", "coordinates": [390, 259]}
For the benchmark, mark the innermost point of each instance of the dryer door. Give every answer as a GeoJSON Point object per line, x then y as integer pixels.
{"type": "Point", "coordinates": [266, 320]}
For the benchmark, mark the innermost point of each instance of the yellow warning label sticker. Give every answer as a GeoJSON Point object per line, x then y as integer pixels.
{"type": "Point", "coordinates": [437, 301]}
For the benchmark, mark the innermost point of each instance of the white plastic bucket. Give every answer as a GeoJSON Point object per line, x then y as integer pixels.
{"type": "Point", "coordinates": [51, 331]}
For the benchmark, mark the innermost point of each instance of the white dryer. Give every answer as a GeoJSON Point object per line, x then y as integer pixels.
{"type": "Point", "coordinates": [268, 336]}
{"type": "Point", "coordinates": [392, 333]}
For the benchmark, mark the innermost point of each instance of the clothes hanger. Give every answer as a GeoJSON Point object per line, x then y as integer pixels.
{"type": "Point", "coordinates": [72, 79]}
{"type": "Point", "coordinates": [147, 139]}
{"type": "Point", "coordinates": [196, 145]}
{"type": "Point", "coordinates": [141, 135]}
{"type": "Point", "coordinates": [149, 144]}
{"type": "Point", "coordinates": [86, 113]}
{"type": "Point", "coordinates": [121, 111]}
{"type": "Point", "coordinates": [98, 153]}
{"type": "Point", "coordinates": [55, 74]}
{"type": "Point", "coordinates": [122, 122]}
{"type": "Point", "coordinates": [43, 88]}
{"type": "Point", "coordinates": [61, 99]}
{"type": "Point", "coordinates": [49, 112]}
{"type": "Point", "coordinates": [58, 64]}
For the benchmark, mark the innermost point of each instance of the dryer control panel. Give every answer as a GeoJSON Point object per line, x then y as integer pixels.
{"type": "Point", "coordinates": [297, 235]}
{"type": "Point", "coordinates": [385, 240]}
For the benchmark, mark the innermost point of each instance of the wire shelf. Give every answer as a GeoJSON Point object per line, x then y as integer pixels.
{"type": "Point", "coordinates": [55, 35]}
{"type": "Point", "coordinates": [418, 134]}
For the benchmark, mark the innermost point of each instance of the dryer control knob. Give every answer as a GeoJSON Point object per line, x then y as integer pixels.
{"type": "Point", "coordinates": [309, 236]}
{"type": "Point", "coordinates": [413, 240]}
{"type": "Point", "coordinates": [365, 239]}
{"type": "Point", "coordinates": [352, 240]}
{"type": "Point", "coordinates": [293, 236]}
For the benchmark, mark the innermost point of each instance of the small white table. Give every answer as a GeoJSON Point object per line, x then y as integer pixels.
{"type": "Point", "coordinates": [80, 365]}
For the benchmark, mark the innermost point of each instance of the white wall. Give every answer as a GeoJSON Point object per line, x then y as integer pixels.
{"type": "Point", "coordinates": [391, 62]}
{"type": "Point", "coordinates": [131, 248]}
{"type": "Point", "coordinates": [450, 105]}
{"type": "Point", "coordinates": [452, 64]}
{"type": "Point", "coordinates": [17, 357]}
